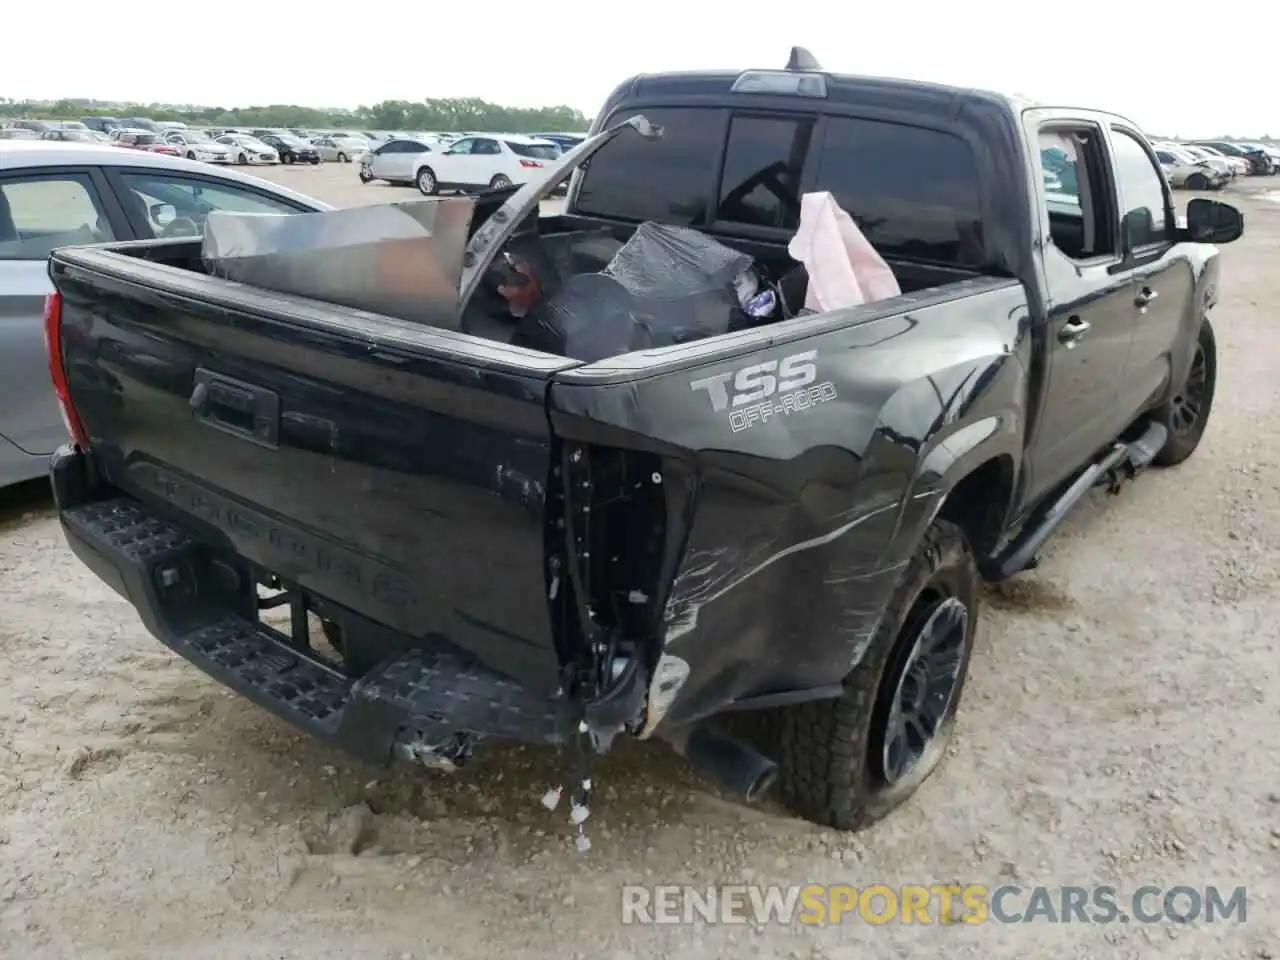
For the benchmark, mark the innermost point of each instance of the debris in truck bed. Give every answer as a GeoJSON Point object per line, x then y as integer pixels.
{"type": "Point", "coordinates": [666, 285]}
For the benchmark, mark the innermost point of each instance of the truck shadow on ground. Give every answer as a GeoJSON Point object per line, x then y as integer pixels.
{"type": "Point", "coordinates": [23, 503]}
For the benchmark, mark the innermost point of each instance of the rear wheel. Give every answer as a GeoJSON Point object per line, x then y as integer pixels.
{"type": "Point", "coordinates": [1187, 414]}
{"type": "Point", "coordinates": [848, 762]}
{"type": "Point", "coordinates": [241, 159]}
{"type": "Point", "coordinates": [365, 176]}
{"type": "Point", "coordinates": [500, 182]}
{"type": "Point", "coordinates": [1198, 181]}
{"type": "Point", "coordinates": [191, 154]}
{"type": "Point", "coordinates": [286, 158]}
{"type": "Point", "coordinates": [342, 158]}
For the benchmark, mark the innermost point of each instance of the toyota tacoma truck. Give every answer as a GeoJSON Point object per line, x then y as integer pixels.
{"type": "Point", "coordinates": [410, 538]}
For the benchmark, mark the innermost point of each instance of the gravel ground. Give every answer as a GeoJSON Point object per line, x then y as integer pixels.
{"type": "Point", "coordinates": [1120, 727]}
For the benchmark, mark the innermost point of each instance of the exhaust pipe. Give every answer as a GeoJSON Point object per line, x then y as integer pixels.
{"type": "Point", "coordinates": [730, 762]}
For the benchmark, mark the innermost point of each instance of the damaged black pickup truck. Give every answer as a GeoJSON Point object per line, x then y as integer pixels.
{"type": "Point", "coordinates": [790, 514]}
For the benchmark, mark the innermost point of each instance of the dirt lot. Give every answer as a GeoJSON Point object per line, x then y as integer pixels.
{"type": "Point", "coordinates": [1120, 727]}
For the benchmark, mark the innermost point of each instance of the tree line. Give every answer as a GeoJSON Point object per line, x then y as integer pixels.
{"type": "Point", "coordinates": [463, 113]}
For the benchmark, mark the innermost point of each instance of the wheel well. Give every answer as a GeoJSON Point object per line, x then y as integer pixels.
{"type": "Point", "coordinates": [979, 502]}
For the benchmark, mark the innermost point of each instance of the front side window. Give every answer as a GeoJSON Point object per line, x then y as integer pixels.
{"type": "Point", "coordinates": [38, 214]}
{"type": "Point", "coordinates": [177, 207]}
{"type": "Point", "coordinates": [914, 192]}
{"type": "Point", "coordinates": [762, 169]}
{"type": "Point", "coordinates": [669, 180]}
{"type": "Point", "coordinates": [1142, 189]}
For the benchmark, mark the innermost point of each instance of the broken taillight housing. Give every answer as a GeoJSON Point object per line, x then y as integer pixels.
{"type": "Point", "coordinates": [58, 370]}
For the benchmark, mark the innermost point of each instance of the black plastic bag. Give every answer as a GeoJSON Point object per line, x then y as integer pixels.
{"type": "Point", "coordinates": [666, 285]}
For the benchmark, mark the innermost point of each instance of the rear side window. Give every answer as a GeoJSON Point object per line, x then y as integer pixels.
{"type": "Point", "coordinates": [669, 180]}
{"type": "Point", "coordinates": [913, 192]}
{"type": "Point", "coordinates": [40, 213]}
{"type": "Point", "coordinates": [534, 151]}
{"type": "Point", "coordinates": [762, 169]}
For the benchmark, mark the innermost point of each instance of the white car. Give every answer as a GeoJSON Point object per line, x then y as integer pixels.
{"type": "Point", "coordinates": [198, 146]}
{"type": "Point", "coordinates": [395, 161]}
{"type": "Point", "coordinates": [484, 162]}
{"type": "Point", "coordinates": [246, 149]}
{"type": "Point", "coordinates": [340, 149]}
{"type": "Point", "coordinates": [1184, 170]}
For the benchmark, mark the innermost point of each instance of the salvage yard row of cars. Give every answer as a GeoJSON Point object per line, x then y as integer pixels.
{"type": "Point", "coordinates": [247, 146]}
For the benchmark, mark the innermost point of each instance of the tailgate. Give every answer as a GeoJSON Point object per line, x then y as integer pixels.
{"type": "Point", "coordinates": [395, 470]}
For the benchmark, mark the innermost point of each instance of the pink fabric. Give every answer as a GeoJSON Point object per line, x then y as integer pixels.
{"type": "Point", "coordinates": [844, 268]}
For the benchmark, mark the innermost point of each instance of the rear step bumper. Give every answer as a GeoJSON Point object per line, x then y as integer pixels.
{"type": "Point", "coordinates": [428, 704]}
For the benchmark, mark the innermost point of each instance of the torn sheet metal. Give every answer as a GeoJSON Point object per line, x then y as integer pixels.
{"type": "Point", "coordinates": [399, 259]}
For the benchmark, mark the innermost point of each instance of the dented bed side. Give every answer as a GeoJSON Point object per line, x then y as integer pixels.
{"type": "Point", "coordinates": [779, 480]}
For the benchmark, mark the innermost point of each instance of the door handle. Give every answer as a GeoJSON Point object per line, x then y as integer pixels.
{"type": "Point", "coordinates": [242, 409]}
{"type": "Point", "coordinates": [1145, 296]}
{"type": "Point", "coordinates": [1071, 331]}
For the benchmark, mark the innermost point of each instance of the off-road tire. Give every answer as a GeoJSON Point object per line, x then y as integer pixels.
{"type": "Point", "coordinates": [1182, 443]}
{"type": "Point", "coordinates": [830, 750]}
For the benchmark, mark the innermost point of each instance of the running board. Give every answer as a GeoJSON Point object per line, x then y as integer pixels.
{"type": "Point", "coordinates": [1122, 461]}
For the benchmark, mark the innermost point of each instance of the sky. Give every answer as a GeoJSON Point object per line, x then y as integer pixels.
{"type": "Point", "coordinates": [1135, 59]}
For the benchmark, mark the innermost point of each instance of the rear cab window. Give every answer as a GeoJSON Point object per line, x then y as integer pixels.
{"type": "Point", "coordinates": [914, 191]}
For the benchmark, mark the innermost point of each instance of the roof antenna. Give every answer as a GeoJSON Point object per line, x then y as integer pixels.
{"type": "Point", "coordinates": [802, 59]}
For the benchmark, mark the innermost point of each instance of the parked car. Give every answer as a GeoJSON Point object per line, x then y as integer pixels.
{"type": "Point", "coordinates": [793, 517]}
{"type": "Point", "coordinates": [35, 126]}
{"type": "Point", "coordinates": [59, 193]}
{"type": "Point", "coordinates": [101, 124]}
{"type": "Point", "coordinates": [18, 133]}
{"type": "Point", "coordinates": [246, 149]}
{"type": "Point", "coordinates": [197, 145]}
{"type": "Point", "coordinates": [74, 136]}
{"type": "Point", "coordinates": [143, 140]}
{"type": "Point", "coordinates": [1183, 170]}
{"type": "Point", "coordinates": [565, 141]}
{"type": "Point", "coordinates": [1270, 152]}
{"type": "Point", "coordinates": [489, 162]}
{"type": "Point", "coordinates": [340, 149]}
{"type": "Point", "coordinates": [291, 149]}
{"type": "Point", "coordinates": [1233, 166]}
{"type": "Point", "coordinates": [140, 123]}
{"type": "Point", "coordinates": [1259, 162]}
{"type": "Point", "coordinates": [395, 161]}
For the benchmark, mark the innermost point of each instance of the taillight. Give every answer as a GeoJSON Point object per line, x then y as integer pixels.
{"type": "Point", "coordinates": [58, 370]}
{"type": "Point", "coordinates": [534, 164]}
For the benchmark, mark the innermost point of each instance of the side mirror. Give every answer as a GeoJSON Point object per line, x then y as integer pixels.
{"type": "Point", "coordinates": [1210, 221]}
{"type": "Point", "coordinates": [163, 214]}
